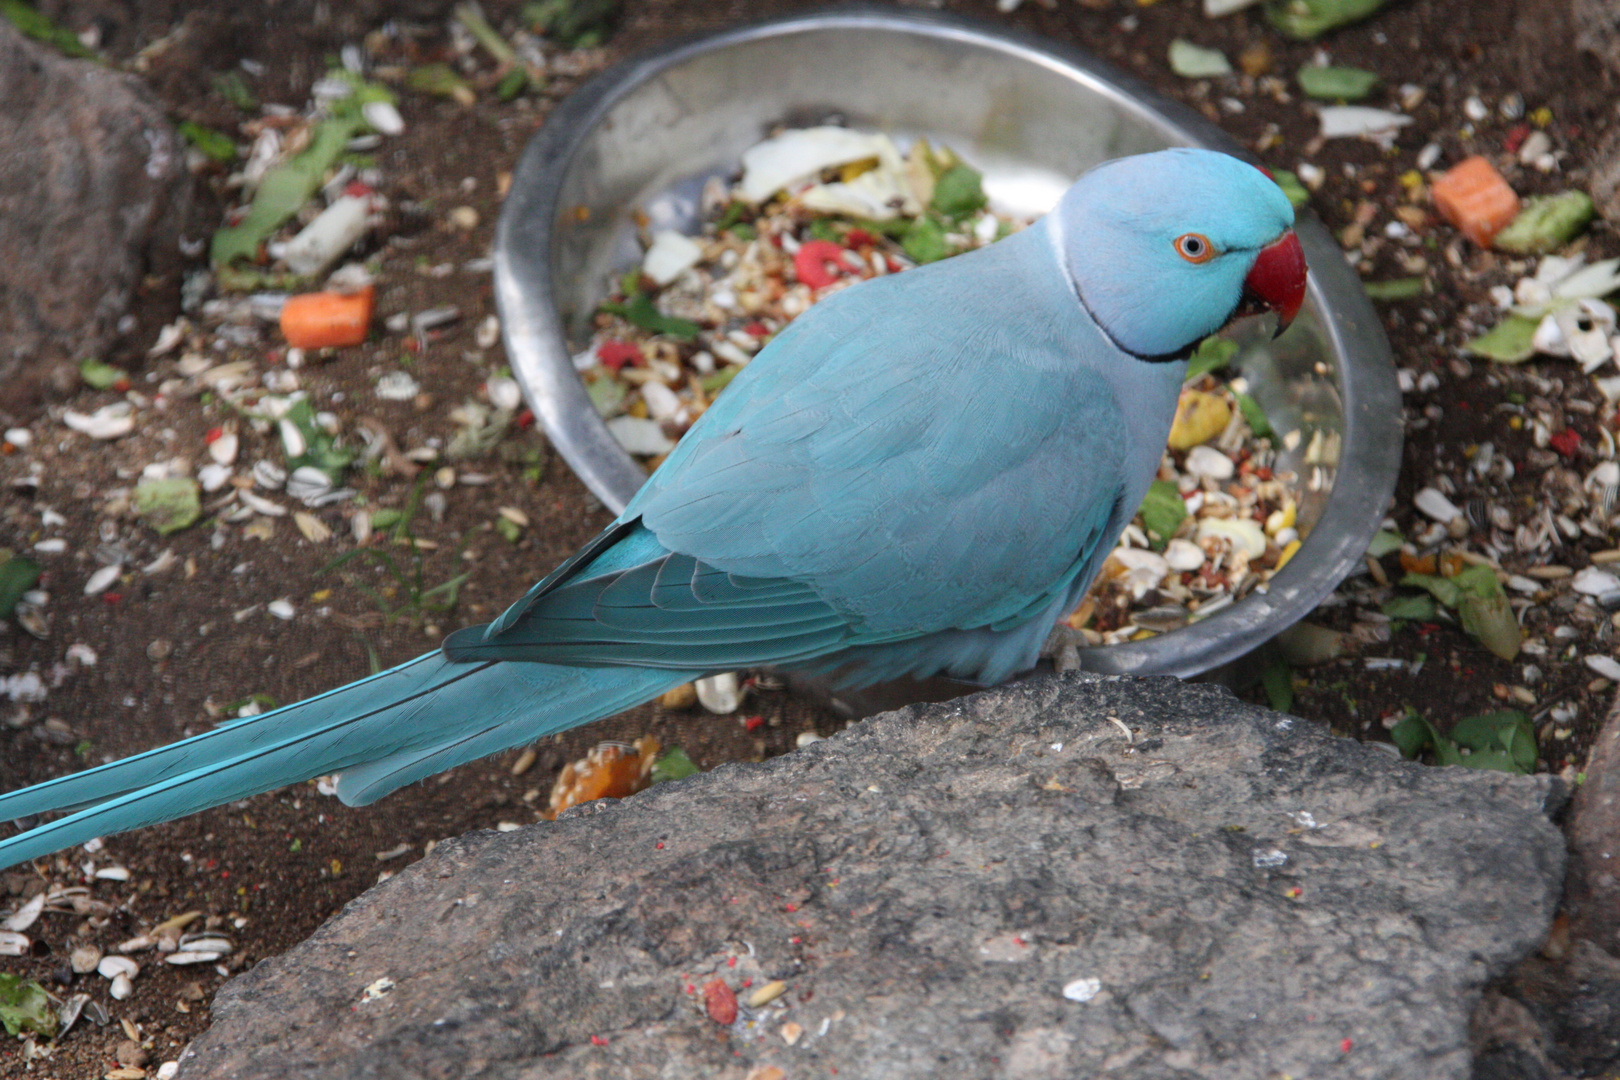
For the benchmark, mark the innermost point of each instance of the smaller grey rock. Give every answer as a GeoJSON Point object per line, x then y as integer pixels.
{"type": "Point", "coordinates": [93, 190]}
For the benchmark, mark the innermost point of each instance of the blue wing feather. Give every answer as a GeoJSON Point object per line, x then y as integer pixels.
{"type": "Point", "coordinates": [925, 518]}
{"type": "Point", "coordinates": [855, 511]}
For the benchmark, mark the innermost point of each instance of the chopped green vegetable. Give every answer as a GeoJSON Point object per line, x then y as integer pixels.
{"type": "Point", "coordinates": [1310, 18]}
{"type": "Point", "coordinates": [169, 505]}
{"type": "Point", "coordinates": [233, 89]}
{"type": "Point", "coordinates": [289, 185]}
{"type": "Point", "coordinates": [1504, 740]}
{"type": "Point", "coordinates": [1491, 620]}
{"type": "Point", "coordinates": [283, 191]}
{"type": "Point", "coordinates": [478, 431]}
{"type": "Point", "coordinates": [321, 449]}
{"type": "Point", "coordinates": [99, 376]}
{"type": "Point", "coordinates": [1278, 681]}
{"type": "Point", "coordinates": [608, 395]}
{"type": "Point", "coordinates": [440, 80]}
{"type": "Point", "coordinates": [1212, 354]}
{"type": "Point", "coordinates": [509, 530]}
{"type": "Point", "coordinates": [1297, 193]}
{"type": "Point", "coordinates": [31, 23]}
{"type": "Point", "coordinates": [1508, 342]}
{"type": "Point", "coordinates": [639, 311]}
{"type": "Point", "coordinates": [1546, 223]}
{"type": "Point", "coordinates": [1413, 734]}
{"type": "Point", "coordinates": [958, 192]}
{"type": "Point", "coordinates": [1329, 83]}
{"type": "Point", "coordinates": [215, 145]}
{"type": "Point", "coordinates": [1383, 542]}
{"type": "Point", "coordinates": [25, 1006]}
{"type": "Point", "coordinates": [577, 24]}
{"type": "Point", "coordinates": [895, 228]}
{"type": "Point", "coordinates": [673, 764]}
{"type": "Point", "coordinates": [17, 576]}
{"type": "Point", "coordinates": [1396, 289]}
{"type": "Point", "coordinates": [243, 279]}
{"type": "Point", "coordinates": [1481, 605]}
{"type": "Point", "coordinates": [1196, 62]}
{"type": "Point", "coordinates": [1446, 590]}
{"type": "Point", "coordinates": [470, 17]}
{"type": "Point", "coordinates": [1254, 416]}
{"type": "Point", "coordinates": [1163, 511]}
{"type": "Point", "coordinates": [1413, 608]}
{"type": "Point", "coordinates": [716, 381]}
{"type": "Point", "coordinates": [512, 84]}
{"type": "Point", "coordinates": [924, 241]}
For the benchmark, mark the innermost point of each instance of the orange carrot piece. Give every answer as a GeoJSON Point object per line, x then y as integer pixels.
{"type": "Point", "coordinates": [326, 319]}
{"type": "Point", "coordinates": [1474, 197]}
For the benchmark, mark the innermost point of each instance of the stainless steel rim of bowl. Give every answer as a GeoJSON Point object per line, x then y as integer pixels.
{"type": "Point", "coordinates": [537, 346]}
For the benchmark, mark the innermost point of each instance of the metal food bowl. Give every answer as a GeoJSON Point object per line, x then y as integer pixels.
{"type": "Point", "coordinates": [642, 138]}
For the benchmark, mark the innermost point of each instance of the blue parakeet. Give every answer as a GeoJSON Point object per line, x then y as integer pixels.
{"type": "Point", "coordinates": [919, 476]}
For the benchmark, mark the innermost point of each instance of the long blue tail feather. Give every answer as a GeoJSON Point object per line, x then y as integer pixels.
{"type": "Point", "coordinates": [379, 733]}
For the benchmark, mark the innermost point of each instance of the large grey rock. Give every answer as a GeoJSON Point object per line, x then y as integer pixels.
{"type": "Point", "coordinates": [1002, 886]}
{"type": "Point", "coordinates": [93, 189]}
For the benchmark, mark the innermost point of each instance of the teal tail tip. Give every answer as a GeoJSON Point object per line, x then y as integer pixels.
{"type": "Point", "coordinates": [381, 733]}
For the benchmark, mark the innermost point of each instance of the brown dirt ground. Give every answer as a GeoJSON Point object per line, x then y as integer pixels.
{"type": "Point", "coordinates": [271, 869]}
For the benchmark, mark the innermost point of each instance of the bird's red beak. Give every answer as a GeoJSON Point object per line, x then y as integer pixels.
{"type": "Point", "coordinates": [1277, 281]}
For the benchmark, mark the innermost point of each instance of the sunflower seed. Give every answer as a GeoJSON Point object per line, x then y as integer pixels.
{"type": "Point", "coordinates": [102, 580]}
{"type": "Point", "coordinates": [269, 475]}
{"type": "Point", "coordinates": [314, 529]}
{"type": "Point", "coordinates": [397, 386]}
{"type": "Point", "coordinates": [1434, 504]}
{"type": "Point", "coordinates": [25, 916]}
{"type": "Point", "coordinates": [1606, 666]}
{"type": "Point", "coordinates": [108, 422]}
{"type": "Point", "coordinates": [260, 505]}
{"type": "Point", "coordinates": [383, 116]}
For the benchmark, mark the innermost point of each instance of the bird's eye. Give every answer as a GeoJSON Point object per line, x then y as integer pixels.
{"type": "Point", "coordinates": [1195, 247]}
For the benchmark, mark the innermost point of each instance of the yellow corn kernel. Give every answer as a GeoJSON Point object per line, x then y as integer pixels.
{"type": "Point", "coordinates": [1199, 418]}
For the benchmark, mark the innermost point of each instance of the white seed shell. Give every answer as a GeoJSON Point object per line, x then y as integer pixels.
{"type": "Point", "coordinates": [720, 693]}
{"type": "Point", "coordinates": [223, 449]}
{"type": "Point", "coordinates": [1433, 503]}
{"type": "Point", "coordinates": [111, 967]}
{"type": "Point", "coordinates": [1207, 461]}
{"type": "Point", "coordinates": [102, 580]}
{"type": "Point", "coordinates": [1183, 555]}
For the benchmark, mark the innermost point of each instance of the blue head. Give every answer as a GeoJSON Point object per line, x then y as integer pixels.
{"type": "Point", "coordinates": [1166, 248]}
